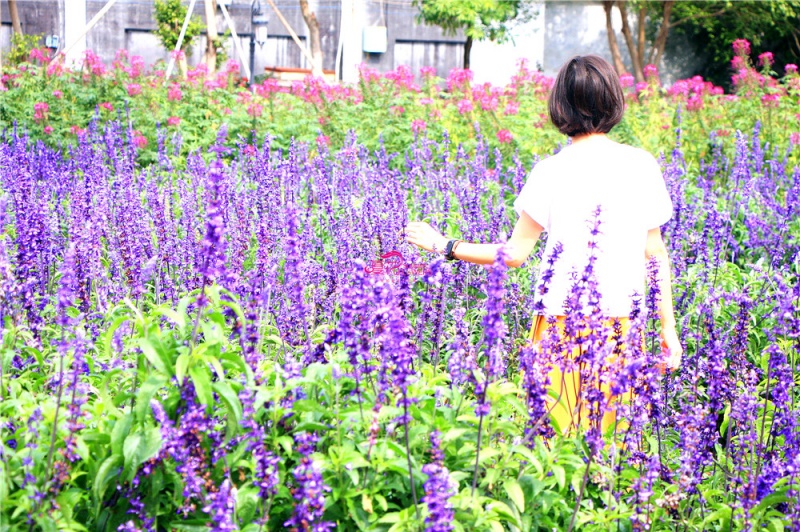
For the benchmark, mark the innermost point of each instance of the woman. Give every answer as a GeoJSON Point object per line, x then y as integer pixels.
{"type": "Point", "coordinates": [563, 192]}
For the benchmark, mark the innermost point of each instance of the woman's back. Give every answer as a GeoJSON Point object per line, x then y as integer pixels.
{"type": "Point", "coordinates": [563, 194]}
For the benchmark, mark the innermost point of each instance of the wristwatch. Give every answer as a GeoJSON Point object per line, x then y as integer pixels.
{"type": "Point", "coordinates": [450, 249]}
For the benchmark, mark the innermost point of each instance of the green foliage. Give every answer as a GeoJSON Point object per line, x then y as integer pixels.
{"type": "Point", "coordinates": [21, 46]}
{"type": "Point", "coordinates": [478, 19]}
{"type": "Point", "coordinates": [713, 25]}
{"type": "Point", "coordinates": [169, 15]}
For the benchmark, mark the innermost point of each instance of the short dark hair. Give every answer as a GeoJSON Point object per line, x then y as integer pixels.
{"type": "Point", "coordinates": [586, 97]}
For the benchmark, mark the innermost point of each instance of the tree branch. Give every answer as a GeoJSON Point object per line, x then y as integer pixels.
{"type": "Point", "coordinates": [698, 17]}
{"type": "Point", "coordinates": [663, 33]}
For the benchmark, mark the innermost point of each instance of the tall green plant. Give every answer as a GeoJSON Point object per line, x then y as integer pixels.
{"type": "Point", "coordinates": [169, 15]}
{"type": "Point", "coordinates": [484, 19]}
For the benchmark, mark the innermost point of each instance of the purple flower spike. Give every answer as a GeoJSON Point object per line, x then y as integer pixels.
{"type": "Point", "coordinates": [221, 508]}
{"type": "Point", "coordinates": [439, 488]}
{"type": "Point", "coordinates": [310, 491]}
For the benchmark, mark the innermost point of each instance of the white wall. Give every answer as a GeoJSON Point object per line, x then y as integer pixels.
{"type": "Point", "coordinates": [497, 63]}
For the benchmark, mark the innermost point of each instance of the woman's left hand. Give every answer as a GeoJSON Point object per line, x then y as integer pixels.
{"type": "Point", "coordinates": [423, 235]}
{"type": "Point", "coordinates": [671, 349]}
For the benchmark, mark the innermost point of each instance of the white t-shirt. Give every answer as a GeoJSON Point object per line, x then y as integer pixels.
{"type": "Point", "coordinates": [563, 191]}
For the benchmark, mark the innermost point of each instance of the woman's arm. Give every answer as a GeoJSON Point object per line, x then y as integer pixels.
{"type": "Point", "coordinates": [524, 237]}
{"type": "Point", "coordinates": [656, 249]}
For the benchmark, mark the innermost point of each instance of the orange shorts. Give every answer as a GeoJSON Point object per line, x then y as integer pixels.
{"type": "Point", "coordinates": [567, 411]}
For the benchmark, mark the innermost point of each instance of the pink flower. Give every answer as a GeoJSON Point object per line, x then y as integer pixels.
{"type": "Point", "coordinates": [107, 106]}
{"type": "Point", "coordinates": [427, 72]}
{"type": "Point", "coordinates": [57, 94]}
{"type": "Point", "coordinates": [255, 110]}
{"type": "Point", "coordinates": [488, 102]}
{"type": "Point", "coordinates": [794, 138]}
{"type": "Point", "coordinates": [650, 72]}
{"type": "Point", "coordinates": [459, 78]}
{"type": "Point", "coordinates": [134, 89]}
{"type": "Point", "coordinates": [397, 110]}
{"type": "Point", "coordinates": [695, 102]}
{"type": "Point", "coordinates": [741, 47]}
{"type": "Point", "coordinates": [40, 110]}
{"type": "Point", "coordinates": [626, 80]}
{"type": "Point", "coordinates": [174, 93]}
{"type": "Point", "coordinates": [48, 130]}
{"type": "Point", "coordinates": [504, 136]}
{"type": "Point", "coordinates": [37, 54]}
{"type": "Point", "coordinates": [232, 67]}
{"type": "Point", "coordinates": [77, 130]}
{"type": "Point", "coordinates": [139, 140]}
{"type": "Point", "coordinates": [766, 59]}
{"type": "Point", "coordinates": [737, 63]}
{"type": "Point", "coordinates": [55, 68]}
{"type": "Point", "coordinates": [791, 68]}
{"type": "Point", "coordinates": [425, 101]}
{"type": "Point", "coordinates": [418, 126]}
{"type": "Point", "coordinates": [227, 111]}
{"type": "Point", "coordinates": [771, 100]}
{"type": "Point", "coordinates": [512, 108]}
{"type": "Point", "coordinates": [173, 120]}
{"type": "Point", "coordinates": [464, 106]}
{"type": "Point", "coordinates": [641, 86]}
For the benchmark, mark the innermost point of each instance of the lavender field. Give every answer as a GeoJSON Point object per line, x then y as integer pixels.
{"type": "Point", "coordinates": [212, 345]}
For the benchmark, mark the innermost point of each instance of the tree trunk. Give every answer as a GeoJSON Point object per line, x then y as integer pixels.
{"type": "Point", "coordinates": [636, 59]}
{"type": "Point", "coordinates": [467, 50]}
{"type": "Point", "coordinates": [619, 66]}
{"type": "Point", "coordinates": [211, 36]}
{"type": "Point", "coordinates": [641, 27]}
{"type": "Point", "coordinates": [316, 42]}
{"type": "Point", "coordinates": [663, 33]}
{"type": "Point", "coordinates": [12, 9]}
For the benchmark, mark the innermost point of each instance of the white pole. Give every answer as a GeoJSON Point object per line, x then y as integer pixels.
{"type": "Point", "coordinates": [88, 27]}
{"type": "Point", "coordinates": [237, 45]}
{"type": "Point", "coordinates": [178, 44]}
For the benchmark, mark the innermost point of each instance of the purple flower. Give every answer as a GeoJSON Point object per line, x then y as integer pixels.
{"type": "Point", "coordinates": [212, 247]}
{"type": "Point", "coordinates": [220, 508]}
{"type": "Point", "coordinates": [309, 493]}
{"type": "Point", "coordinates": [494, 330]}
{"type": "Point", "coordinates": [439, 488]}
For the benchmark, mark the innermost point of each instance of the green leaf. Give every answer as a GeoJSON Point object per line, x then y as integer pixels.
{"type": "Point", "coordinates": [140, 447]}
{"type": "Point", "coordinates": [561, 476]}
{"type": "Point", "coordinates": [181, 365]}
{"type": "Point", "coordinates": [146, 393]}
{"type": "Point", "coordinates": [107, 470]}
{"type": "Point", "coordinates": [232, 403]}
{"type": "Point", "coordinates": [156, 355]}
{"type": "Point", "coordinates": [121, 429]}
{"type": "Point", "coordinates": [202, 384]}
{"type": "Point", "coordinates": [514, 491]}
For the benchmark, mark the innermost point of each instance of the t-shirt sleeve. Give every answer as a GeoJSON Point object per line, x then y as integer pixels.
{"type": "Point", "coordinates": [533, 199]}
{"type": "Point", "coordinates": [657, 202]}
